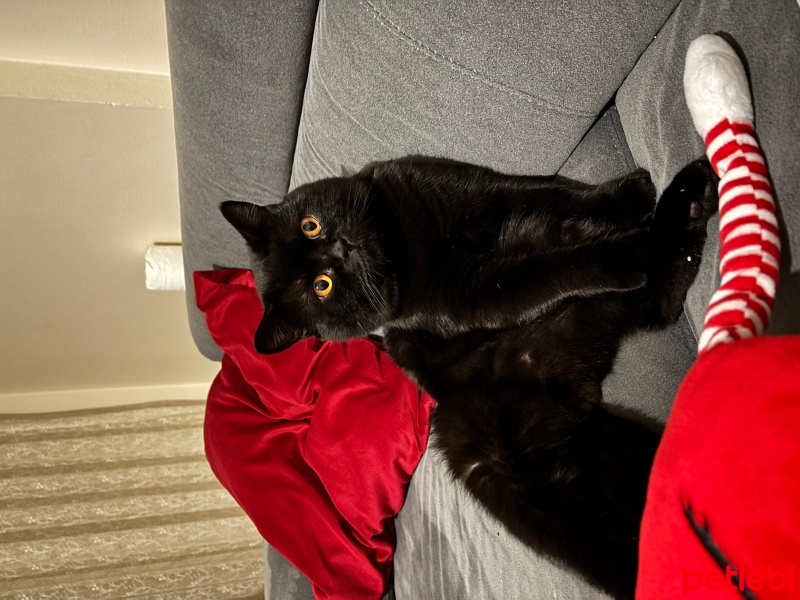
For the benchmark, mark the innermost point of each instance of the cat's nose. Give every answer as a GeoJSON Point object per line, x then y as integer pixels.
{"type": "Point", "coordinates": [340, 249]}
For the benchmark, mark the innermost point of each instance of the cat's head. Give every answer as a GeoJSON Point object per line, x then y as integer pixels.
{"type": "Point", "coordinates": [321, 263]}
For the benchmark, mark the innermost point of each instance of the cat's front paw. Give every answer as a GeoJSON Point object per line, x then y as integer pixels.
{"type": "Point", "coordinates": [694, 191]}
{"type": "Point", "coordinates": [685, 207]}
{"type": "Point", "coordinates": [677, 237]}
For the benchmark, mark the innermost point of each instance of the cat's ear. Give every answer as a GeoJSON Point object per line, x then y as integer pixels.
{"type": "Point", "coordinates": [275, 334]}
{"type": "Point", "coordinates": [251, 220]}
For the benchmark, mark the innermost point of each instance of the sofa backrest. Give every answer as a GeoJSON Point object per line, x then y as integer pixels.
{"type": "Point", "coordinates": [514, 86]}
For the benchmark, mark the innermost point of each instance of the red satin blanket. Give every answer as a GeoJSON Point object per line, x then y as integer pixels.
{"type": "Point", "coordinates": [317, 443]}
{"type": "Point", "coordinates": [730, 462]}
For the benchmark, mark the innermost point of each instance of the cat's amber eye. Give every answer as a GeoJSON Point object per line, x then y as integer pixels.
{"type": "Point", "coordinates": [310, 227]}
{"type": "Point", "coordinates": [323, 285]}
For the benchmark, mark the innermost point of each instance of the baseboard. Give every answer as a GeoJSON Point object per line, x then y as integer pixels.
{"type": "Point", "coordinates": [69, 83]}
{"type": "Point", "coordinates": [61, 400]}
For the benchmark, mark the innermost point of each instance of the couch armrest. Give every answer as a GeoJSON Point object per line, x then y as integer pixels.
{"type": "Point", "coordinates": [238, 75]}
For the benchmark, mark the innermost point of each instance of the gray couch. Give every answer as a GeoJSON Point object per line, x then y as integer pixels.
{"type": "Point", "coordinates": [270, 95]}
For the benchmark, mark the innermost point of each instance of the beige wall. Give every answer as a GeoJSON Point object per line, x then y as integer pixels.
{"type": "Point", "coordinates": [125, 35]}
{"type": "Point", "coordinates": [87, 181]}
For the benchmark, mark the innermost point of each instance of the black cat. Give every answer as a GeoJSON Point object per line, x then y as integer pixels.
{"type": "Point", "coordinates": [506, 298]}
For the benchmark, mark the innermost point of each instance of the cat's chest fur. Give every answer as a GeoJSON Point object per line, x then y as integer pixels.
{"type": "Point", "coordinates": [441, 258]}
{"type": "Point", "coordinates": [448, 240]}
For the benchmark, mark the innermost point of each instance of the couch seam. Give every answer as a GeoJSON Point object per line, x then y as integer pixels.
{"type": "Point", "coordinates": [619, 133]}
{"type": "Point", "coordinates": [463, 69]}
{"type": "Point", "coordinates": [633, 68]}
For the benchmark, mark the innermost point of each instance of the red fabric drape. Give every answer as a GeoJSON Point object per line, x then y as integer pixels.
{"type": "Point", "coordinates": [316, 443]}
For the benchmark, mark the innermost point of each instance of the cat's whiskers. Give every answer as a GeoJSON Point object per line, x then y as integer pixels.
{"type": "Point", "coordinates": [277, 336]}
{"type": "Point", "coordinates": [370, 288]}
{"type": "Point", "coordinates": [371, 294]}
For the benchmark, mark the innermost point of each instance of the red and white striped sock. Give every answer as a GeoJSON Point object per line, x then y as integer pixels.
{"type": "Point", "coordinates": [719, 101]}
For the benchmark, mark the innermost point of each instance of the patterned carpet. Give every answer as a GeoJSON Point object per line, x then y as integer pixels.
{"type": "Point", "coordinates": [119, 503]}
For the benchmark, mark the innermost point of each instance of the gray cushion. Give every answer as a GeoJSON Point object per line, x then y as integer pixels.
{"type": "Point", "coordinates": [514, 89]}
{"type": "Point", "coordinates": [662, 139]}
{"type": "Point", "coordinates": [238, 73]}
{"type": "Point", "coordinates": [282, 581]}
{"type": "Point", "coordinates": [602, 154]}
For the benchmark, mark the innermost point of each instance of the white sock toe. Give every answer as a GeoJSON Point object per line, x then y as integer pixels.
{"type": "Point", "coordinates": [715, 84]}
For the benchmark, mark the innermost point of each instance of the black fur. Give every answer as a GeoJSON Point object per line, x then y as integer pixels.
{"type": "Point", "coordinates": [506, 298]}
